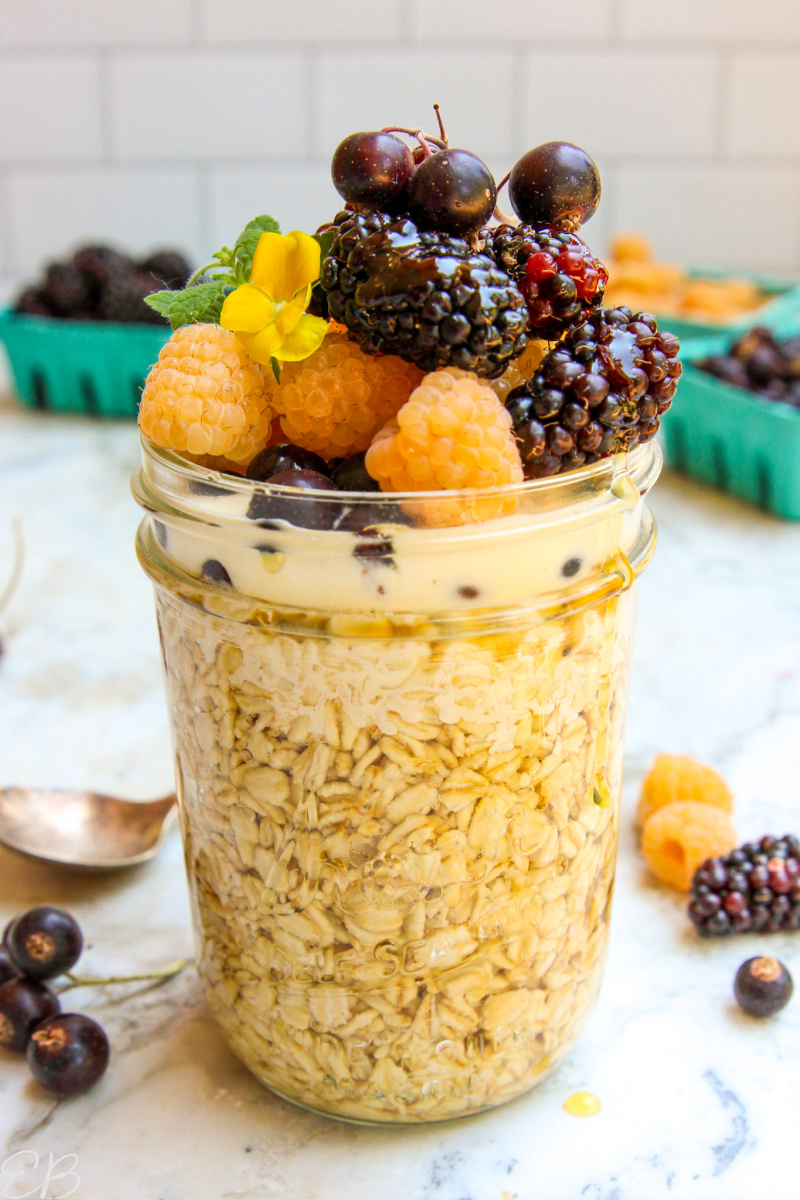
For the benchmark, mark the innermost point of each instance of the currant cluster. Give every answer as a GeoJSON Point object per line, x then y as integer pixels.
{"type": "Point", "coordinates": [451, 191]}
{"type": "Point", "coordinates": [67, 1052]}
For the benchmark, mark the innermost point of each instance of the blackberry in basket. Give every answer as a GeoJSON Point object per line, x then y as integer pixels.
{"type": "Point", "coordinates": [122, 298]}
{"type": "Point", "coordinates": [600, 391]}
{"type": "Point", "coordinates": [755, 888]}
{"type": "Point", "coordinates": [67, 290]}
{"type": "Point", "coordinates": [556, 272]}
{"type": "Point", "coordinates": [168, 268]}
{"type": "Point", "coordinates": [424, 296]}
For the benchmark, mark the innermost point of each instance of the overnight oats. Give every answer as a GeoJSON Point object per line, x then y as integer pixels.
{"type": "Point", "coordinates": [394, 477]}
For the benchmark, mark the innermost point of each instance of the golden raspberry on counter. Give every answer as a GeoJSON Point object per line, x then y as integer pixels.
{"type": "Point", "coordinates": [452, 433]}
{"type": "Point", "coordinates": [335, 401]}
{"type": "Point", "coordinates": [681, 835]}
{"type": "Point", "coordinates": [206, 396]}
{"type": "Point", "coordinates": [677, 777]}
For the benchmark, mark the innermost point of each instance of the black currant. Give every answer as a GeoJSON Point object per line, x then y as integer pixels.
{"type": "Point", "coordinates": [373, 170]}
{"type": "Point", "coordinates": [213, 570]}
{"type": "Point", "coordinates": [44, 942]}
{"type": "Point", "coordinates": [284, 457]}
{"type": "Point", "coordinates": [68, 1053]}
{"type": "Point", "coordinates": [762, 986]}
{"type": "Point", "coordinates": [308, 513]}
{"type": "Point", "coordinates": [556, 184]}
{"type": "Point", "coordinates": [453, 192]}
{"type": "Point", "coordinates": [8, 969]}
{"type": "Point", "coordinates": [23, 1004]}
{"type": "Point", "coordinates": [352, 476]}
{"type": "Point", "coordinates": [307, 480]}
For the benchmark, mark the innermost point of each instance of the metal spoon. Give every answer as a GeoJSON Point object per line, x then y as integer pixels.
{"type": "Point", "coordinates": [84, 829]}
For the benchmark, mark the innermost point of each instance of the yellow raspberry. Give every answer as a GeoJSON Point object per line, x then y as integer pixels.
{"type": "Point", "coordinates": [677, 838]}
{"type": "Point", "coordinates": [334, 401]}
{"type": "Point", "coordinates": [519, 370]}
{"type": "Point", "coordinates": [205, 396]}
{"type": "Point", "coordinates": [677, 777]}
{"type": "Point", "coordinates": [452, 433]}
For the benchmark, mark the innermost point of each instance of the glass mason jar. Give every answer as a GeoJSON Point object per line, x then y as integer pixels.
{"type": "Point", "coordinates": [399, 757]}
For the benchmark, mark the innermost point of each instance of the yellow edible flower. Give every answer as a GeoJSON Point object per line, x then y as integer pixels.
{"type": "Point", "coordinates": [268, 315]}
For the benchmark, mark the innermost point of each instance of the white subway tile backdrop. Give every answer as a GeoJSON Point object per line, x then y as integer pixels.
{"type": "Point", "coordinates": [149, 122]}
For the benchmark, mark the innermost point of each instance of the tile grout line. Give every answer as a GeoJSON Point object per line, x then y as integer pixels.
{"type": "Point", "coordinates": [407, 31]}
{"type": "Point", "coordinates": [722, 131]}
{"type": "Point", "coordinates": [204, 205]}
{"type": "Point", "coordinates": [617, 23]}
{"type": "Point", "coordinates": [197, 29]}
{"type": "Point", "coordinates": [311, 71]}
{"type": "Point", "coordinates": [518, 94]}
{"type": "Point", "coordinates": [106, 103]}
{"type": "Point", "coordinates": [8, 233]}
{"type": "Point", "coordinates": [788, 164]}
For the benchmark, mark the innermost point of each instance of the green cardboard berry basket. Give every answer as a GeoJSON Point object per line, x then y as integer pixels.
{"type": "Point", "coordinates": [732, 439]}
{"type": "Point", "coordinates": [725, 435]}
{"type": "Point", "coordinates": [781, 312]}
{"type": "Point", "coordinates": [93, 367]}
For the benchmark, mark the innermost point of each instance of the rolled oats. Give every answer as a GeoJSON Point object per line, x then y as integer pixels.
{"type": "Point", "coordinates": [400, 871]}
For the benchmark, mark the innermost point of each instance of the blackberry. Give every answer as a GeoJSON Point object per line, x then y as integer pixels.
{"type": "Point", "coordinates": [424, 296]}
{"type": "Point", "coordinates": [122, 298]}
{"type": "Point", "coordinates": [168, 268]}
{"type": "Point", "coordinates": [556, 272]}
{"type": "Point", "coordinates": [600, 391]}
{"type": "Point", "coordinates": [66, 290]}
{"type": "Point", "coordinates": [755, 888]}
{"type": "Point", "coordinates": [33, 302]}
{"type": "Point", "coordinates": [97, 263]}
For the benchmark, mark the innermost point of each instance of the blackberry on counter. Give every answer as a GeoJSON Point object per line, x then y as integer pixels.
{"type": "Point", "coordinates": [556, 272]}
{"type": "Point", "coordinates": [600, 391]}
{"type": "Point", "coordinates": [424, 296]}
{"type": "Point", "coordinates": [755, 888]}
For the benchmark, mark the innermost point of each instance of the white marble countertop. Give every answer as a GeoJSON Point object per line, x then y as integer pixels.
{"type": "Point", "coordinates": [699, 1102]}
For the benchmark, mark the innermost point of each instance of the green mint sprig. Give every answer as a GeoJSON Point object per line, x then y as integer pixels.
{"type": "Point", "coordinates": [228, 269]}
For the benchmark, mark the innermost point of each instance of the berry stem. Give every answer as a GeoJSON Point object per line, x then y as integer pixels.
{"type": "Point", "coordinates": [498, 213]}
{"type": "Point", "coordinates": [76, 981]}
{"type": "Point", "coordinates": [442, 133]}
{"type": "Point", "coordinates": [426, 140]}
{"type": "Point", "coordinates": [16, 566]}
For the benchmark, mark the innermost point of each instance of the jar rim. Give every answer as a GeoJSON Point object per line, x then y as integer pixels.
{"type": "Point", "coordinates": [641, 465]}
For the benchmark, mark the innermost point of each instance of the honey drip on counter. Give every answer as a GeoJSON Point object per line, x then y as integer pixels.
{"type": "Point", "coordinates": [582, 1104]}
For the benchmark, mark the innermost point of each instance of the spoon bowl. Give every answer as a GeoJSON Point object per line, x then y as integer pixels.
{"type": "Point", "coordinates": [84, 829]}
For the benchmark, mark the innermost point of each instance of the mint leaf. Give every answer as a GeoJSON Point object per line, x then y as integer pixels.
{"type": "Point", "coordinates": [224, 257]}
{"type": "Point", "coordinates": [247, 241]}
{"type": "Point", "coordinates": [325, 240]}
{"type": "Point", "coordinates": [161, 301]}
{"type": "Point", "coordinates": [200, 303]}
